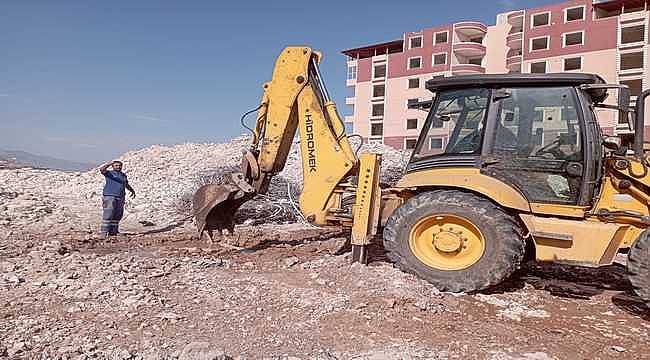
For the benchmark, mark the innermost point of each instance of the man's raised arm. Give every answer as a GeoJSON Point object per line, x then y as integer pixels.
{"type": "Point", "coordinates": [104, 168]}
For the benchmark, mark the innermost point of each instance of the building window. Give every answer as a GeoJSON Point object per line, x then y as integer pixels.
{"type": "Point", "coordinates": [441, 38]}
{"type": "Point", "coordinates": [538, 67]}
{"type": "Point", "coordinates": [409, 144]}
{"type": "Point", "coordinates": [475, 61]}
{"type": "Point", "coordinates": [435, 143]}
{"type": "Point", "coordinates": [631, 61]}
{"type": "Point", "coordinates": [574, 14]}
{"type": "Point", "coordinates": [379, 71]}
{"type": "Point", "coordinates": [411, 102]}
{"type": "Point", "coordinates": [352, 72]}
{"type": "Point", "coordinates": [571, 64]}
{"type": "Point", "coordinates": [600, 13]}
{"type": "Point", "coordinates": [414, 83]}
{"type": "Point", "coordinates": [411, 124]}
{"type": "Point", "coordinates": [440, 59]}
{"type": "Point", "coordinates": [415, 42]}
{"type": "Point", "coordinates": [415, 62]}
{"type": "Point", "coordinates": [378, 90]}
{"type": "Point", "coordinates": [376, 129]}
{"type": "Point", "coordinates": [539, 43]}
{"type": "Point", "coordinates": [636, 86]}
{"type": "Point", "coordinates": [575, 38]}
{"type": "Point", "coordinates": [541, 19]}
{"type": "Point", "coordinates": [378, 109]}
{"type": "Point", "coordinates": [632, 34]}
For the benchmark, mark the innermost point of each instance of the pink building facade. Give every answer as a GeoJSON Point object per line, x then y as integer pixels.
{"type": "Point", "coordinates": [609, 38]}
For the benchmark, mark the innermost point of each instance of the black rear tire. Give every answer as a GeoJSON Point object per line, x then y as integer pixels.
{"type": "Point", "coordinates": [638, 266]}
{"type": "Point", "coordinates": [504, 244]}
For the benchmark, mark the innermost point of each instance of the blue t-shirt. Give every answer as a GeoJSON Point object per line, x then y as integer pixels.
{"type": "Point", "coordinates": [115, 183]}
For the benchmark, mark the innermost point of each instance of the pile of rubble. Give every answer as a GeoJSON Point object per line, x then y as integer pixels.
{"type": "Point", "coordinates": [165, 177]}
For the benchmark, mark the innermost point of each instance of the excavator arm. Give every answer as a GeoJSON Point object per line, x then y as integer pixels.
{"type": "Point", "coordinates": [296, 100]}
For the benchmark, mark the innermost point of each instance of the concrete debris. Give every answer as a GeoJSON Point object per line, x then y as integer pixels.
{"type": "Point", "coordinates": [165, 178]}
{"type": "Point", "coordinates": [512, 308]}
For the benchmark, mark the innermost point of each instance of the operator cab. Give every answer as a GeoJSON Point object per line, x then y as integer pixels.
{"type": "Point", "coordinates": [535, 132]}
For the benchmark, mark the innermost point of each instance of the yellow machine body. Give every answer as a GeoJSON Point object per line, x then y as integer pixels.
{"type": "Point", "coordinates": [561, 233]}
{"type": "Point", "coordinates": [295, 100]}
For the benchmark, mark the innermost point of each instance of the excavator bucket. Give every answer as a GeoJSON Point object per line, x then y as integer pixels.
{"type": "Point", "coordinates": [214, 207]}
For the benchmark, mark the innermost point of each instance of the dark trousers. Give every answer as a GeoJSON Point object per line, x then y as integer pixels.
{"type": "Point", "coordinates": [113, 209]}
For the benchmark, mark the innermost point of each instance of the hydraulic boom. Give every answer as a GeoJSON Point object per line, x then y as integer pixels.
{"type": "Point", "coordinates": [296, 99]}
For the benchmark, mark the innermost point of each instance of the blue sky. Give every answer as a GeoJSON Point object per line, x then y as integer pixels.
{"type": "Point", "coordinates": [88, 80]}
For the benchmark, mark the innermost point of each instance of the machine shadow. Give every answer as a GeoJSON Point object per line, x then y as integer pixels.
{"type": "Point", "coordinates": [567, 281]}
{"type": "Point", "coordinates": [577, 282]}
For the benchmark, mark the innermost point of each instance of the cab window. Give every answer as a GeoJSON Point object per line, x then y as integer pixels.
{"type": "Point", "coordinates": [455, 126]}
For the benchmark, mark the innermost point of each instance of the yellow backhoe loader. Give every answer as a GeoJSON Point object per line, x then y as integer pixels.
{"type": "Point", "coordinates": [524, 161]}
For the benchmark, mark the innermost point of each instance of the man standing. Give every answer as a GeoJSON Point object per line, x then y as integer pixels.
{"type": "Point", "coordinates": [113, 201]}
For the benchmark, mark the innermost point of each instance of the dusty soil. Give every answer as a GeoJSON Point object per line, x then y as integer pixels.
{"type": "Point", "coordinates": [287, 292]}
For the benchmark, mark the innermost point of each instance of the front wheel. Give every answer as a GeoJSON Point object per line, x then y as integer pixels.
{"type": "Point", "coordinates": [456, 240]}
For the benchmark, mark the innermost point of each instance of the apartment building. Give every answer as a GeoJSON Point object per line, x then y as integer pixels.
{"type": "Point", "coordinates": [608, 38]}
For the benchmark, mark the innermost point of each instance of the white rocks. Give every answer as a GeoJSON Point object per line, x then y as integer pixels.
{"type": "Point", "coordinates": [202, 351]}
{"type": "Point", "coordinates": [166, 315]}
{"type": "Point", "coordinates": [513, 309]}
{"type": "Point", "coordinates": [164, 177]}
{"type": "Point", "coordinates": [291, 261]}
{"type": "Point", "coordinates": [12, 278]}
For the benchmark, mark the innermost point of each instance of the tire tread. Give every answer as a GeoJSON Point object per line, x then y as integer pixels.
{"type": "Point", "coordinates": [638, 266]}
{"type": "Point", "coordinates": [509, 230]}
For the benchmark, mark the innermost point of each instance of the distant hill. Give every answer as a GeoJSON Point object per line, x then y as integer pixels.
{"type": "Point", "coordinates": [18, 159]}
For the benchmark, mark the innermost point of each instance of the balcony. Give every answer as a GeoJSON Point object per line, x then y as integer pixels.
{"type": "Point", "coordinates": [515, 41]}
{"type": "Point", "coordinates": [469, 48]}
{"type": "Point", "coordinates": [467, 69]}
{"type": "Point", "coordinates": [515, 17]}
{"type": "Point", "coordinates": [514, 60]}
{"type": "Point", "coordinates": [471, 28]}
{"type": "Point", "coordinates": [515, 36]}
{"type": "Point", "coordinates": [632, 16]}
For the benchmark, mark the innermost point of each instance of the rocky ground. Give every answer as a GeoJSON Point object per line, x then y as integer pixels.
{"type": "Point", "coordinates": [289, 292]}
{"type": "Point", "coordinates": [276, 289]}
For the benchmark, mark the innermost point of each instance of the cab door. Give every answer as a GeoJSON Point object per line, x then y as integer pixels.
{"type": "Point", "coordinates": [536, 143]}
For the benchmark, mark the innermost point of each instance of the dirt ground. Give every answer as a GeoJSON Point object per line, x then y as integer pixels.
{"type": "Point", "coordinates": [290, 292]}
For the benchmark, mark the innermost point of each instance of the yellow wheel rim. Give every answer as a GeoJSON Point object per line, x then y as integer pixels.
{"type": "Point", "coordinates": [447, 242]}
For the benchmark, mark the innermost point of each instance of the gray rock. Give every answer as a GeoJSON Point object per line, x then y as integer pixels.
{"type": "Point", "coordinates": [12, 278]}
{"type": "Point", "coordinates": [202, 351]}
{"type": "Point", "coordinates": [291, 261]}
{"type": "Point", "coordinates": [17, 348]}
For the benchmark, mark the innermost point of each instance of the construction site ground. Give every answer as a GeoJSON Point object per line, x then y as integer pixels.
{"type": "Point", "coordinates": [290, 292]}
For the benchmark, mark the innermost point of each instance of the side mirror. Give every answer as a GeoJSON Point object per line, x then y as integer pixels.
{"type": "Point", "coordinates": [612, 142]}
{"type": "Point", "coordinates": [631, 116]}
{"type": "Point", "coordinates": [439, 121]}
{"type": "Point", "coordinates": [623, 105]}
